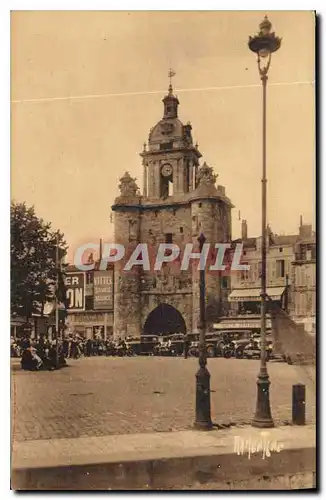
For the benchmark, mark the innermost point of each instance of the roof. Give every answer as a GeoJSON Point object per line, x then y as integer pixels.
{"type": "Point", "coordinates": [276, 240]}
{"type": "Point", "coordinates": [280, 240]}
{"type": "Point", "coordinates": [247, 243]}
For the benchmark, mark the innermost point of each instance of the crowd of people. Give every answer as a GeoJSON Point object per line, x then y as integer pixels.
{"type": "Point", "coordinates": [42, 349]}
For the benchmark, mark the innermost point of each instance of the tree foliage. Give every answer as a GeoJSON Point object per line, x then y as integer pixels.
{"type": "Point", "coordinates": [34, 271]}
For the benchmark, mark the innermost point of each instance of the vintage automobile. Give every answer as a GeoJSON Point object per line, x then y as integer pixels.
{"type": "Point", "coordinates": [215, 343]}
{"type": "Point", "coordinates": [163, 348]}
{"type": "Point", "coordinates": [233, 342]}
{"type": "Point", "coordinates": [141, 346]}
{"type": "Point", "coordinates": [147, 344]}
{"type": "Point", "coordinates": [253, 349]}
{"type": "Point", "coordinates": [134, 344]}
{"type": "Point", "coordinates": [177, 344]}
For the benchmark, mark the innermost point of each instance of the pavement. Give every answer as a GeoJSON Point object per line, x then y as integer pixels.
{"type": "Point", "coordinates": [173, 460]}
{"type": "Point", "coordinates": [97, 396]}
{"type": "Point", "coordinates": [155, 446]}
{"type": "Point", "coordinates": [127, 423]}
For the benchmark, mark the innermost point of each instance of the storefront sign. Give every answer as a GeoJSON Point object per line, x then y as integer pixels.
{"type": "Point", "coordinates": [241, 324]}
{"type": "Point", "coordinates": [87, 318]}
{"type": "Point", "coordinates": [103, 290]}
{"type": "Point", "coordinates": [91, 319]}
{"type": "Point", "coordinates": [75, 291]}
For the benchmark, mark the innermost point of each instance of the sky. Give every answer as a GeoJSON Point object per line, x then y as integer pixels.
{"type": "Point", "coordinates": [68, 154]}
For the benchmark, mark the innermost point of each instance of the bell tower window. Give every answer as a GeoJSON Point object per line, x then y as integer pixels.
{"type": "Point", "coordinates": [166, 181]}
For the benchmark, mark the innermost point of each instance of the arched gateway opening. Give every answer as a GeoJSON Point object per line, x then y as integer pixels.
{"type": "Point", "coordinates": [164, 320]}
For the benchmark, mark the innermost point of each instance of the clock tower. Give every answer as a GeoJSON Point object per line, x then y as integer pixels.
{"type": "Point", "coordinates": [171, 160]}
{"type": "Point", "coordinates": [179, 201]}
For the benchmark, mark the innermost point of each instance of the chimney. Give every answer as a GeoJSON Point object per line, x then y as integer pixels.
{"type": "Point", "coordinates": [300, 220]}
{"type": "Point", "coordinates": [244, 230]}
{"type": "Point", "coordinates": [306, 231]}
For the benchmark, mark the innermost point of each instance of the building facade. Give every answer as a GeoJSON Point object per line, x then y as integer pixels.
{"type": "Point", "coordinates": [91, 316]}
{"type": "Point", "coordinates": [303, 286]}
{"type": "Point", "coordinates": [179, 201]}
{"type": "Point", "coordinates": [290, 275]}
{"type": "Point", "coordinates": [246, 285]}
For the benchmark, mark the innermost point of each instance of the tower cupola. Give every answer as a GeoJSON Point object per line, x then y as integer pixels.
{"type": "Point", "coordinates": [171, 104]}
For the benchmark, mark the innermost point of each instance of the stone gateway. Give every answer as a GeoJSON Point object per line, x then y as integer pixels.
{"type": "Point", "coordinates": [179, 201]}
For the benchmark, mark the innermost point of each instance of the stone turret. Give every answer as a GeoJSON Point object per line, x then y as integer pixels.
{"type": "Point", "coordinates": [211, 214]}
{"type": "Point", "coordinates": [127, 283]}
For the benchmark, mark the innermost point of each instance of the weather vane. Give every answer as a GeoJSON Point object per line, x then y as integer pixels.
{"type": "Point", "coordinates": [171, 75]}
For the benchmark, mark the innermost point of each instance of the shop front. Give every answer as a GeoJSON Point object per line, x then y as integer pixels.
{"type": "Point", "coordinates": [243, 323]}
{"type": "Point", "coordinates": [90, 325]}
{"type": "Point", "coordinates": [248, 300]}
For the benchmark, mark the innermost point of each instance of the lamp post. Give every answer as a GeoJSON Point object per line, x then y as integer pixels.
{"type": "Point", "coordinates": [263, 44]}
{"type": "Point", "coordinates": [203, 404]}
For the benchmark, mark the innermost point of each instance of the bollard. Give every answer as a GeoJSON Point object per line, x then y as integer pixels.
{"type": "Point", "coordinates": [298, 404]}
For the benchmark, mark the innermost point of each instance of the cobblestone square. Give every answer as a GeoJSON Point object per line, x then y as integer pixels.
{"type": "Point", "coordinates": [100, 396]}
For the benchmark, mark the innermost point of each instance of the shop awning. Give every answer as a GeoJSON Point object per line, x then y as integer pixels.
{"type": "Point", "coordinates": [253, 294]}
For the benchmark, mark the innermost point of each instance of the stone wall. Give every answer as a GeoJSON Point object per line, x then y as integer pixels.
{"type": "Point", "coordinates": [139, 291]}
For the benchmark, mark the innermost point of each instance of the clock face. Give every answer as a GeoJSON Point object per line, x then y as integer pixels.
{"type": "Point", "coordinates": [167, 170]}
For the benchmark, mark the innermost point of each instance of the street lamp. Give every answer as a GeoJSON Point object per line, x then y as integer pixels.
{"type": "Point", "coordinates": [203, 403]}
{"type": "Point", "coordinates": [263, 44]}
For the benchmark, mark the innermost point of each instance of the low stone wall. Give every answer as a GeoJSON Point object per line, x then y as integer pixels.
{"type": "Point", "coordinates": [290, 469]}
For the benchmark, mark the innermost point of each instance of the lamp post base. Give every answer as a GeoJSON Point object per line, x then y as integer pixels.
{"type": "Point", "coordinates": [203, 404]}
{"type": "Point", "coordinates": [263, 417]}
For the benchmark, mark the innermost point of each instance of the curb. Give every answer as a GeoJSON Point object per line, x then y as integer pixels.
{"type": "Point", "coordinates": [289, 469]}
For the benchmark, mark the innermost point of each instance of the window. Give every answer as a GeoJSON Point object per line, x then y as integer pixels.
{"type": "Point", "coordinates": [280, 269]}
{"type": "Point", "coordinates": [181, 229]}
{"type": "Point", "coordinates": [168, 238]}
{"type": "Point", "coordinates": [280, 249]}
{"type": "Point", "coordinates": [225, 283]}
{"type": "Point", "coordinates": [245, 273]}
{"type": "Point", "coordinates": [166, 145]}
{"type": "Point", "coordinates": [200, 205]}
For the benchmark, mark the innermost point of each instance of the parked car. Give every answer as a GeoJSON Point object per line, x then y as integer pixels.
{"type": "Point", "coordinates": [177, 344]}
{"type": "Point", "coordinates": [253, 349]}
{"type": "Point", "coordinates": [233, 342]}
{"type": "Point", "coordinates": [147, 344]}
{"type": "Point", "coordinates": [134, 344]}
{"type": "Point", "coordinates": [215, 343]}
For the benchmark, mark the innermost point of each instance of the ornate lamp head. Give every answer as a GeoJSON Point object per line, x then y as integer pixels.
{"type": "Point", "coordinates": [265, 42]}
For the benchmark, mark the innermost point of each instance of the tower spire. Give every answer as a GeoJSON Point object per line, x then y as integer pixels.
{"type": "Point", "coordinates": [170, 101]}
{"type": "Point", "coordinates": [171, 74]}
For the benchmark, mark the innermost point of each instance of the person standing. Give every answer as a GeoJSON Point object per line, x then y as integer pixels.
{"type": "Point", "coordinates": [185, 345]}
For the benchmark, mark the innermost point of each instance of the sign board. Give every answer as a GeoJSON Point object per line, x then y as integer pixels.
{"type": "Point", "coordinates": [241, 324]}
{"type": "Point", "coordinates": [103, 290]}
{"type": "Point", "coordinates": [75, 291]}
